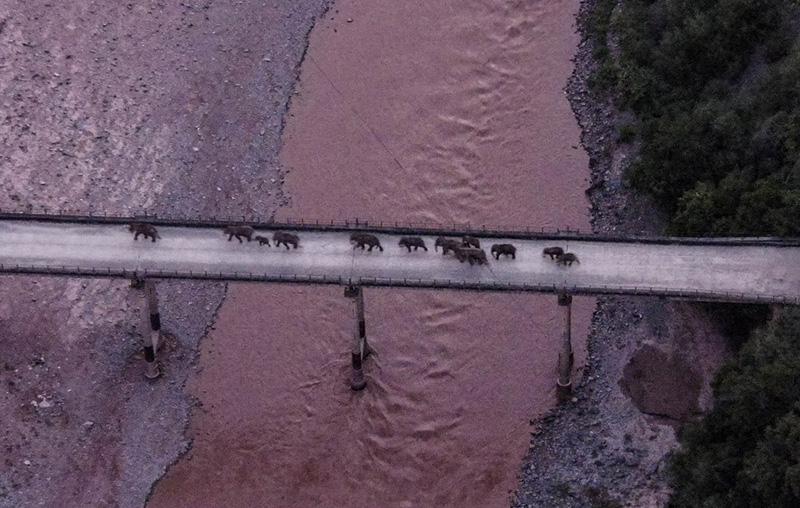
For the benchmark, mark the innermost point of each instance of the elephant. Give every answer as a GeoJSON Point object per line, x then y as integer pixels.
{"type": "Point", "coordinates": [144, 229]}
{"type": "Point", "coordinates": [505, 249]}
{"type": "Point", "coordinates": [286, 239]}
{"type": "Point", "coordinates": [553, 252]}
{"type": "Point", "coordinates": [412, 241]}
{"type": "Point", "coordinates": [262, 240]}
{"type": "Point", "coordinates": [472, 255]}
{"type": "Point", "coordinates": [446, 244]}
{"type": "Point", "coordinates": [567, 259]}
{"type": "Point", "coordinates": [239, 232]}
{"type": "Point", "coordinates": [470, 241]}
{"type": "Point", "coordinates": [364, 239]}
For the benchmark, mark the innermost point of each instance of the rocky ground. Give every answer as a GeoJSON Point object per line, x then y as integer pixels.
{"type": "Point", "coordinates": [174, 108]}
{"type": "Point", "coordinates": [650, 360]}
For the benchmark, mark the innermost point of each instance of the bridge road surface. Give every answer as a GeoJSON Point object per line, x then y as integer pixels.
{"type": "Point", "coordinates": [708, 272]}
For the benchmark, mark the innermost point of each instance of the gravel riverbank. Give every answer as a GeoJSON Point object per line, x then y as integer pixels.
{"type": "Point", "coordinates": [175, 109]}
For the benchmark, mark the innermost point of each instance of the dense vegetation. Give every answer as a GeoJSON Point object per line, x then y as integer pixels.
{"type": "Point", "coordinates": [746, 451]}
{"type": "Point", "coordinates": [714, 87]}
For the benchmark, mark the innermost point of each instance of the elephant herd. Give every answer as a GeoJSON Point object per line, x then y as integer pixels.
{"type": "Point", "coordinates": [468, 248]}
{"type": "Point", "coordinates": [238, 232]}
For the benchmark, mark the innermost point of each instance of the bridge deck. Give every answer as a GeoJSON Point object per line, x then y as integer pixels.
{"type": "Point", "coordinates": [707, 272]}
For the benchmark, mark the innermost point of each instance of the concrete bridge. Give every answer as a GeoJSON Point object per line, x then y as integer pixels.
{"type": "Point", "coordinates": [712, 269]}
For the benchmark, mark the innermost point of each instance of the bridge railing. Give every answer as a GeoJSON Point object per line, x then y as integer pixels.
{"type": "Point", "coordinates": [397, 227]}
{"type": "Point", "coordinates": [587, 290]}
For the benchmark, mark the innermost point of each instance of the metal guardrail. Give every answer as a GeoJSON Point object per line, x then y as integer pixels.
{"type": "Point", "coordinates": [396, 227]}
{"type": "Point", "coordinates": [448, 284]}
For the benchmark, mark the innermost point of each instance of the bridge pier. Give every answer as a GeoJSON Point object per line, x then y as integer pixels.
{"type": "Point", "coordinates": [359, 349]}
{"type": "Point", "coordinates": [151, 329]}
{"type": "Point", "coordinates": [565, 356]}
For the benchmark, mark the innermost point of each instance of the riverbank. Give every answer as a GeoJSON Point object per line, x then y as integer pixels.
{"type": "Point", "coordinates": [650, 360]}
{"type": "Point", "coordinates": [119, 108]}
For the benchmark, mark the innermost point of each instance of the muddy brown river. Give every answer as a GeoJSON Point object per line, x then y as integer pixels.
{"type": "Point", "coordinates": [439, 112]}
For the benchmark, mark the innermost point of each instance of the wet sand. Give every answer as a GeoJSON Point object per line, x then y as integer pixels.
{"type": "Point", "coordinates": [441, 112]}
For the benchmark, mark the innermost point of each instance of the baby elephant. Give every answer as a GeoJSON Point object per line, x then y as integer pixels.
{"type": "Point", "coordinates": [470, 241]}
{"type": "Point", "coordinates": [446, 244]}
{"type": "Point", "coordinates": [146, 230]}
{"type": "Point", "coordinates": [239, 232]}
{"type": "Point", "coordinates": [504, 248]}
{"type": "Point", "coordinates": [567, 259]}
{"type": "Point", "coordinates": [364, 239]}
{"type": "Point", "coordinates": [262, 240]}
{"type": "Point", "coordinates": [553, 252]}
{"type": "Point", "coordinates": [286, 239]}
{"type": "Point", "coordinates": [412, 241]}
{"type": "Point", "coordinates": [471, 255]}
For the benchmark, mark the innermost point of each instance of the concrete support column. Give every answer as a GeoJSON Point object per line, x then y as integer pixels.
{"type": "Point", "coordinates": [151, 331]}
{"type": "Point", "coordinates": [359, 348]}
{"type": "Point", "coordinates": [565, 356]}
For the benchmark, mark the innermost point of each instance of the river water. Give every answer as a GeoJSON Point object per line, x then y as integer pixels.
{"type": "Point", "coordinates": [439, 112]}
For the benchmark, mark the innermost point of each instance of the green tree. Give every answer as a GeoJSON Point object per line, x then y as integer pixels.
{"type": "Point", "coordinates": [695, 213]}
{"type": "Point", "coordinates": [755, 398]}
{"type": "Point", "coordinates": [718, 118]}
{"type": "Point", "coordinates": [772, 471]}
